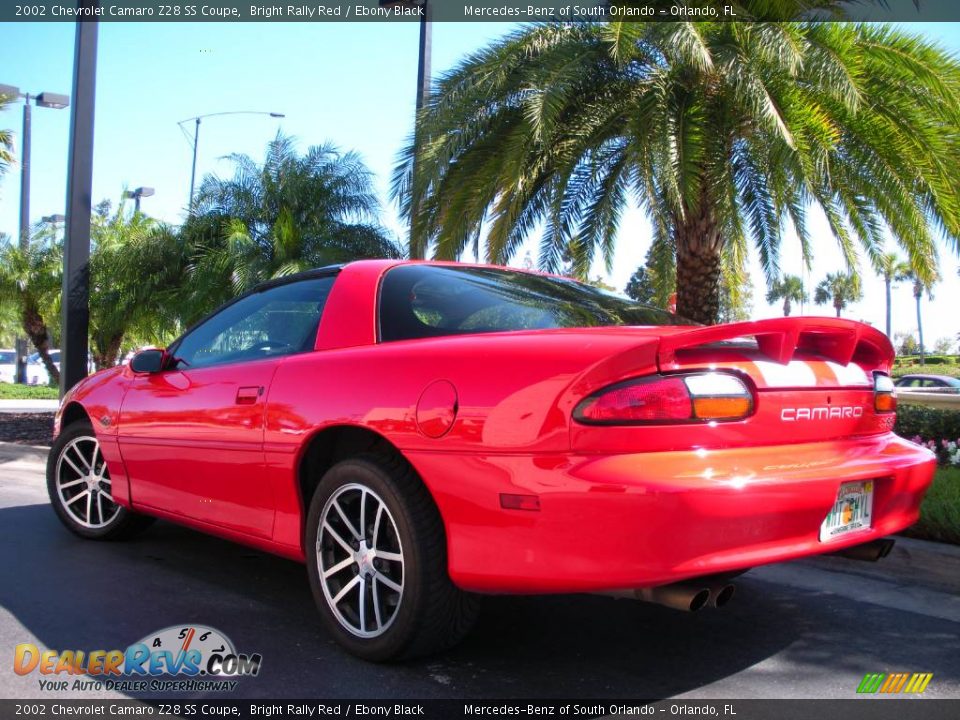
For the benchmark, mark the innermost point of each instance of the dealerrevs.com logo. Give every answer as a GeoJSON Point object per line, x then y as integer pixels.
{"type": "Point", "coordinates": [203, 654]}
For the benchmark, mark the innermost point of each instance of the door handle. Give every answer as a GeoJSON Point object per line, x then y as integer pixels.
{"type": "Point", "coordinates": [248, 395]}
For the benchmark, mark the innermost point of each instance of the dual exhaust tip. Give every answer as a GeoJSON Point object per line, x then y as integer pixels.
{"type": "Point", "coordinates": [688, 596]}
{"type": "Point", "coordinates": [698, 593]}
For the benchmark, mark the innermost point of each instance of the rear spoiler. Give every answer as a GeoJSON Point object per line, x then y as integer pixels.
{"type": "Point", "coordinates": [839, 340]}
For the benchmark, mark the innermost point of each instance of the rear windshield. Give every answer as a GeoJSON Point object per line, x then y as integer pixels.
{"type": "Point", "coordinates": [420, 301]}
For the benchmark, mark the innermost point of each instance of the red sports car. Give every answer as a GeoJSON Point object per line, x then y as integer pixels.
{"type": "Point", "coordinates": [420, 433]}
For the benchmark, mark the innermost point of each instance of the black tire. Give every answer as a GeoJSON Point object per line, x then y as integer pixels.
{"type": "Point", "coordinates": [113, 522]}
{"type": "Point", "coordinates": [432, 614]}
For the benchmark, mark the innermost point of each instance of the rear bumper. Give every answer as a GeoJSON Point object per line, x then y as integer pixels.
{"type": "Point", "coordinates": [635, 520]}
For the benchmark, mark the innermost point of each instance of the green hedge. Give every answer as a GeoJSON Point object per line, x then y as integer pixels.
{"type": "Point", "coordinates": [938, 360]}
{"type": "Point", "coordinates": [940, 512]}
{"type": "Point", "coordinates": [929, 359]}
{"type": "Point", "coordinates": [932, 425]}
{"type": "Point", "coordinates": [928, 369]}
{"type": "Point", "coordinates": [9, 391]}
{"type": "Point", "coordinates": [929, 423]}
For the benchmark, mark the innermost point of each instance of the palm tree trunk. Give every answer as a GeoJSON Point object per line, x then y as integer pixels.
{"type": "Point", "coordinates": [36, 329]}
{"type": "Point", "coordinates": [920, 329]}
{"type": "Point", "coordinates": [888, 282]}
{"type": "Point", "coordinates": [786, 307]}
{"type": "Point", "coordinates": [698, 246]}
{"type": "Point", "coordinates": [105, 356]}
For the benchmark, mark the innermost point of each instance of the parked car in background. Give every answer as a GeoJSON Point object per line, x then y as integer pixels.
{"type": "Point", "coordinates": [8, 365]}
{"type": "Point", "coordinates": [939, 383]}
{"type": "Point", "coordinates": [419, 433]}
{"type": "Point", "coordinates": [37, 372]}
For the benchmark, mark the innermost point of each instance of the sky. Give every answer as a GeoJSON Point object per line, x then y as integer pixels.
{"type": "Point", "coordinates": [352, 84]}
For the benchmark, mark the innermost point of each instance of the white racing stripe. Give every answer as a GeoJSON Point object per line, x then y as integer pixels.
{"type": "Point", "coordinates": [851, 374]}
{"type": "Point", "coordinates": [796, 373]}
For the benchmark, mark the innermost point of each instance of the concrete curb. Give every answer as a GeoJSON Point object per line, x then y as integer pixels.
{"type": "Point", "coordinates": [29, 406]}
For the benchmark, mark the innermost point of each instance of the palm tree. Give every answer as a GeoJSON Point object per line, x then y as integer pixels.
{"type": "Point", "coordinates": [838, 288]}
{"type": "Point", "coordinates": [789, 289]}
{"type": "Point", "coordinates": [30, 281]}
{"type": "Point", "coordinates": [290, 213]}
{"type": "Point", "coordinates": [136, 275]}
{"type": "Point", "coordinates": [921, 286]}
{"type": "Point", "coordinates": [892, 269]}
{"type": "Point", "coordinates": [719, 131]}
{"type": "Point", "coordinates": [6, 138]}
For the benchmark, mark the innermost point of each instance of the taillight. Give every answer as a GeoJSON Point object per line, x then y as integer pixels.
{"type": "Point", "coordinates": [884, 394]}
{"type": "Point", "coordinates": [700, 397]}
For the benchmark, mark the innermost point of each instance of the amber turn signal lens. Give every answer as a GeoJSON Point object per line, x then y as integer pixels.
{"type": "Point", "coordinates": [721, 408]}
{"type": "Point", "coordinates": [885, 402]}
{"type": "Point", "coordinates": [884, 394]}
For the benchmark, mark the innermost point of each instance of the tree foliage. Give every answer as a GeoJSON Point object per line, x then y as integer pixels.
{"type": "Point", "coordinates": [723, 133]}
{"type": "Point", "coordinates": [30, 282]}
{"type": "Point", "coordinates": [790, 289]}
{"type": "Point", "coordinates": [838, 289]}
{"type": "Point", "coordinates": [136, 269]}
{"type": "Point", "coordinates": [288, 214]}
{"type": "Point", "coordinates": [6, 139]}
{"type": "Point", "coordinates": [892, 269]}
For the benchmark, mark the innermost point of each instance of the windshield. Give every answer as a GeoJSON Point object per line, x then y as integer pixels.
{"type": "Point", "coordinates": [7, 357]}
{"type": "Point", "coordinates": [418, 301]}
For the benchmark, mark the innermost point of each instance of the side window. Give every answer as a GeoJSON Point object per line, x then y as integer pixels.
{"type": "Point", "coordinates": [278, 321]}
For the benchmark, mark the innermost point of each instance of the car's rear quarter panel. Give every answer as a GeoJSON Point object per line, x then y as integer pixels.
{"type": "Point", "coordinates": [511, 389]}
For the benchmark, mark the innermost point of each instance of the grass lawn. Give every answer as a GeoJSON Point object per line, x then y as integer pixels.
{"type": "Point", "coordinates": [10, 391]}
{"type": "Point", "coordinates": [940, 512]}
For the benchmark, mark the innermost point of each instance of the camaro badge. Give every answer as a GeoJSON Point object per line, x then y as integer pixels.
{"type": "Point", "coordinates": [824, 412]}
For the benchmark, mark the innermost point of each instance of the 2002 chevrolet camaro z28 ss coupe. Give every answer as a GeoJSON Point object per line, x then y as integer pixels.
{"type": "Point", "coordinates": [421, 433]}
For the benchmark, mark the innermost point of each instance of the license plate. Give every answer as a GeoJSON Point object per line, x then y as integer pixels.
{"type": "Point", "coordinates": [850, 513]}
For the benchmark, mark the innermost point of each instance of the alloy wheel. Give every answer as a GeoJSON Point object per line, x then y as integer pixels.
{"type": "Point", "coordinates": [360, 560]}
{"type": "Point", "coordinates": [83, 484]}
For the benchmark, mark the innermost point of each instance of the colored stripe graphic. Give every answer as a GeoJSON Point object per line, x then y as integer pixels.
{"type": "Point", "coordinates": [894, 683]}
{"type": "Point", "coordinates": [918, 683]}
{"type": "Point", "coordinates": [871, 682]}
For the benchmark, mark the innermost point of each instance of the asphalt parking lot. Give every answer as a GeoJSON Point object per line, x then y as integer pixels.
{"type": "Point", "coordinates": [811, 629]}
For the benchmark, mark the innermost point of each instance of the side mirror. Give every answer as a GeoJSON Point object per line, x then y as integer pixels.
{"type": "Point", "coordinates": [148, 361]}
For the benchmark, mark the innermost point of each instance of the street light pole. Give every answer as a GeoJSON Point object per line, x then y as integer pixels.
{"type": "Point", "coordinates": [25, 177]}
{"type": "Point", "coordinates": [21, 341]}
{"type": "Point", "coordinates": [140, 192]}
{"type": "Point", "coordinates": [48, 100]}
{"type": "Point", "coordinates": [193, 167]}
{"type": "Point", "coordinates": [423, 64]}
{"type": "Point", "coordinates": [196, 137]}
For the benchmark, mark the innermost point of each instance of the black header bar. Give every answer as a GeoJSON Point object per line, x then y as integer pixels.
{"type": "Point", "coordinates": [476, 10]}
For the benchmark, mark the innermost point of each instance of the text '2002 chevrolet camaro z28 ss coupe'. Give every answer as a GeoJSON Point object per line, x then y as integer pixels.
{"type": "Point", "coordinates": [421, 433]}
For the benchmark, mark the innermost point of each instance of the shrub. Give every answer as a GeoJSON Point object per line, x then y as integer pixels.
{"type": "Point", "coordinates": [933, 427]}
{"type": "Point", "coordinates": [940, 512]}
{"type": "Point", "coordinates": [915, 369]}
{"type": "Point", "coordinates": [9, 391]}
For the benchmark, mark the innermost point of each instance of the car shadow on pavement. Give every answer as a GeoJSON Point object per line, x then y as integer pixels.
{"type": "Point", "coordinates": [75, 594]}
